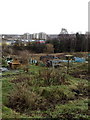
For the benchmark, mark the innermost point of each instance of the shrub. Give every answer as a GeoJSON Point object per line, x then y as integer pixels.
{"type": "Point", "coordinates": [52, 77]}
{"type": "Point", "coordinates": [22, 98]}
{"type": "Point", "coordinates": [54, 96]}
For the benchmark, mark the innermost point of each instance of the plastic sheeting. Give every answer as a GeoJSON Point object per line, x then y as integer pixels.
{"type": "Point", "coordinates": [77, 59]}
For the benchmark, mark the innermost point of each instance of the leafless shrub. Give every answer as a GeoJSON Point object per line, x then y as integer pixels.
{"type": "Point", "coordinates": [52, 77]}
{"type": "Point", "coordinates": [22, 98]}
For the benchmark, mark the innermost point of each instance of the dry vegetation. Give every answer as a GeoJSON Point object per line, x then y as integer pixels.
{"type": "Point", "coordinates": [48, 93]}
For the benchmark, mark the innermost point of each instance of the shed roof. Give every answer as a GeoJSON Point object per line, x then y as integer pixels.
{"type": "Point", "coordinates": [16, 62]}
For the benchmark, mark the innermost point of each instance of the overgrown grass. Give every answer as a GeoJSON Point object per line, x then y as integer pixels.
{"type": "Point", "coordinates": [74, 109]}
{"type": "Point", "coordinates": [79, 70]}
{"type": "Point", "coordinates": [9, 113]}
{"type": "Point", "coordinates": [44, 93]}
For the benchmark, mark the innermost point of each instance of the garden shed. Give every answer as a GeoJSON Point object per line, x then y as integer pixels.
{"type": "Point", "coordinates": [15, 64]}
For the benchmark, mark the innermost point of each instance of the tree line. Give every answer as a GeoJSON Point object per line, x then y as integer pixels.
{"type": "Point", "coordinates": [80, 43]}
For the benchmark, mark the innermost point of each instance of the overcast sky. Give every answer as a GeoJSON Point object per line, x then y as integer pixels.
{"type": "Point", "coordinates": [49, 16]}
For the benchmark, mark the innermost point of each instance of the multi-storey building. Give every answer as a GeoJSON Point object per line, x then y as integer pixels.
{"type": "Point", "coordinates": [40, 36]}
{"type": "Point", "coordinates": [27, 36]}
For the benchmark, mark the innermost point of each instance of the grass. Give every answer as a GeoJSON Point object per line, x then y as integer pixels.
{"type": "Point", "coordinates": [77, 109]}
{"type": "Point", "coordinates": [48, 101]}
{"type": "Point", "coordinates": [9, 113]}
{"type": "Point", "coordinates": [7, 86]}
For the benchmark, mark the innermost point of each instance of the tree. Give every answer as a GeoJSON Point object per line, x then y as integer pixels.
{"type": "Point", "coordinates": [78, 42]}
{"type": "Point", "coordinates": [49, 48]}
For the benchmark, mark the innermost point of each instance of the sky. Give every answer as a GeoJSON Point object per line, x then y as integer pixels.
{"type": "Point", "coordinates": [49, 16]}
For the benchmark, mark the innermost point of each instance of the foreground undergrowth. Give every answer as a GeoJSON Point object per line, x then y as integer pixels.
{"type": "Point", "coordinates": [45, 93]}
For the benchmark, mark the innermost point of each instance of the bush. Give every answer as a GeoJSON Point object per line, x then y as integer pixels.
{"type": "Point", "coordinates": [54, 96]}
{"type": "Point", "coordinates": [44, 78]}
{"type": "Point", "coordinates": [52, 77]}
{"type": "Point", "coordinates": [22, 99]}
